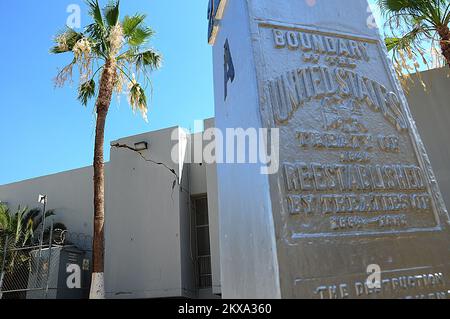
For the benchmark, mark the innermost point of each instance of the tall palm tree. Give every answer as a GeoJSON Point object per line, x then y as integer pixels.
{"type": "Point", "coordinates": [415, 23]}
{"type": "Point", "coordinates": [111, 53]}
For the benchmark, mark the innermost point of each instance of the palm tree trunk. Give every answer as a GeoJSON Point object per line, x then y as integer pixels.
{"type": "Point", "coordinates": [102, 106]}
{"type": "Point", "coordinates": [444, 33]}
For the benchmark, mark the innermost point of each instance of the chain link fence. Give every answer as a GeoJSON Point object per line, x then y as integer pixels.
{"type": "Point", "coordinates": [57, 266]}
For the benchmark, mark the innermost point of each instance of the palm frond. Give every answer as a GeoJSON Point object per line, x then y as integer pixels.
{"type": "Point", "coordinates": [111, 13]}
{"type": "Point", "coordinates": [138, 99]}
{"type": "Point", "coordinates": [140, 36]}
{"type": "Point", "coordinates": [446, 14]}
{"type": "Point", "coordinates": [401, 43]}
{"type": "Point", "coordinates": [399, 5]}
{"type": "Point", "coordinates": [32, 214]}
{"type": "Point", "coordinates": [18, 223]}
{"type": "Point", "coordinates": [392, 43]}
{"type": "Point", "coordinates": [65, 41]}
{"type": "Point", "coordinates": [4, 217]}
{"type": "Point", "coordinates": [97, 37]}
{"type": "Point", "coordinates": [129, 24]}
{"type": "Point", "coordinates": [96, 30]}
{"type": "Point", "coordinates": [429, 10]}
{"type": "Point", "coordinates": [410, 26]}
{"type": "Point", "coordinates": [148, 58]}
{"type": "Point", "coordinates": [65, 74]}
{"type": "Point", "coordinates": [95, 12]}
{"type": "Point", "coordinates": [86, 91]}
{"type": "Point", "coordinates": [28, 233]}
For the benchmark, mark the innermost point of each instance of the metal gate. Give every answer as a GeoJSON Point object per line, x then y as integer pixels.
{"type": "Point", "coordinates": [21, 264]}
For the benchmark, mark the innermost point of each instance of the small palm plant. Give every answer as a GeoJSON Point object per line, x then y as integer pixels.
{"type": "Point", "coordinates": [416, 29]}
{"type": "Point", "coordinates": [109, 54]}
{"type": "Point", "coordinates": [17, 227]}
{"type": "Point", "coordinates": [17, 230]}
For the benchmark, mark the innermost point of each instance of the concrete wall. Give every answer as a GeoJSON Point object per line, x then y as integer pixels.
{"type": "Point", "coordinates": [187, 219]}
{"type": "Point", "coordinates": [187, 239]}
{"type": "Point", "coordinates": [69, 194]}
{"type": "Point", "coordinates": [213, 211]}
{"type": "Point", "coordinates": [431, 110]}
{"type": "Point", "coordinates": [147, 254]}
{"type": "Point", "coordinates": [197, 170]}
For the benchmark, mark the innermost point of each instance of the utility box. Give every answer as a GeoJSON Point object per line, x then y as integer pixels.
{"type": "Point", "coordinates": [58, 273]}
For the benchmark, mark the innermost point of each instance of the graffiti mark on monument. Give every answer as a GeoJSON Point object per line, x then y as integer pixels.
{"type": "Point", "coordinates": [228, 68]}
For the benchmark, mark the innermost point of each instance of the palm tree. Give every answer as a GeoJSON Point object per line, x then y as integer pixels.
{"type": "Point", "coordinates": [17, 229]}
{"type": "Point", "coordinates": [109, 52]}
{"type": "Point", "coordinates": [413, 24]}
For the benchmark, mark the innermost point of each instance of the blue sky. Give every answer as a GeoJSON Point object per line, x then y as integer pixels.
{"type": "Point", "coordinates": [46, 130]}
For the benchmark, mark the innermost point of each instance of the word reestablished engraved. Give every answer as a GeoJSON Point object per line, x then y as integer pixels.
{"type": "Point", "coordinates": [302, 177]}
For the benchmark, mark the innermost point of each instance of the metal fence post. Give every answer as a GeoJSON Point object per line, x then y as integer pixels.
{"type": "Point", "coordinates": [2, 273]}
{"type": "Point", "coordinates": [43, 224]}
{"type": "Point", "coordinates": [49, 259]}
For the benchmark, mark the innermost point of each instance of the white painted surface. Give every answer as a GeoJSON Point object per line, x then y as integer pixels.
{"type": "Point", "coordinates": [248, 260]}
{"type": "Point", "coordinates": [97, 286]}
{"type": "Point", "coordinates": [147, 253]}
{"type": "Point", "coordinates": [197, 170]}
{"type": "Point", "coordinates": [69, 195]}
{"type": "Point", "coordinates": [213, 211]}
{"type": "Point", "coordinates": [432, 114]}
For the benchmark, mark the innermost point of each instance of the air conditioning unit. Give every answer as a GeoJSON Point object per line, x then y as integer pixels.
{"type": "Point", "coordinates": [58, 273]}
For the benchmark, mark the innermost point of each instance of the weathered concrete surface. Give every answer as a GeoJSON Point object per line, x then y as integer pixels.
{"type": "Point", "coordinates": [69, 195]}
{"type": "Point", "coordinates": [247, 234]}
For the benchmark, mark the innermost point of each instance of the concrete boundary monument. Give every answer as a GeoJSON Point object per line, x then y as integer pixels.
{"type": "Point", "coordinates": [354, 210]}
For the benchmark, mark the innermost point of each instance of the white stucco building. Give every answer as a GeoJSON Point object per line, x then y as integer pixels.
{"type": "Point", "coordinates": [161, 228]}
